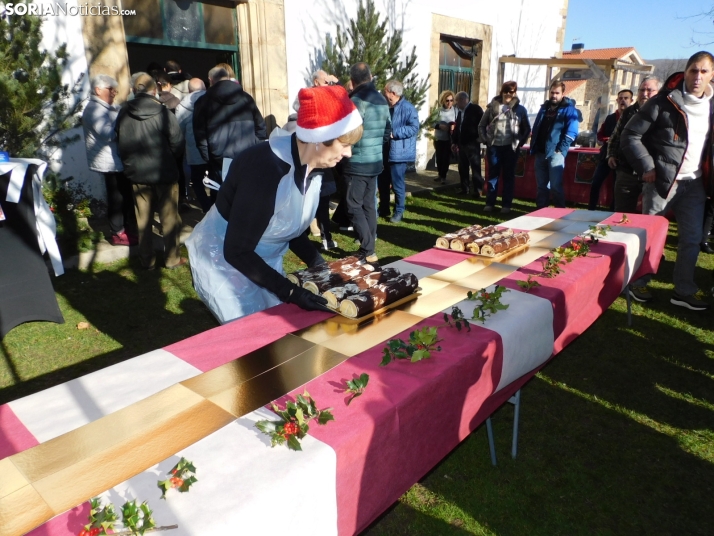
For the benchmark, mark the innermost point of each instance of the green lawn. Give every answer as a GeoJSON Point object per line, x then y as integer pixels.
{"type": "Point", "coordinates": [617, 432]}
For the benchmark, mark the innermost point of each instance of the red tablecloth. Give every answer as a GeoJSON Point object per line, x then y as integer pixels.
{"type": "Point", "coordinates": [412, 415]}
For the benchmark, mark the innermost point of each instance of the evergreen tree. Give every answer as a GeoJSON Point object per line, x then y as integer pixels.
{"type": "Point", "coordinates": [35, 106]}
{"type": "Point", "coordinates": [368, 39]}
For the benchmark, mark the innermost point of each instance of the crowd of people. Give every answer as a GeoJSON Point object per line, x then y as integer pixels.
{"type": "Point", "coordinates": [654, 147]}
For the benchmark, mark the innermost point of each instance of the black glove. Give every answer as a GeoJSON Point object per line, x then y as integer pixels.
{"type": "Point", "coordinates": [308, 301]}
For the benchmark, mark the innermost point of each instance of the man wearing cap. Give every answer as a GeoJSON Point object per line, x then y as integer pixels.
{"type": "Point", "coordinates": [365, 165]}
{"type": "Point", "coordinates": [266, 203]}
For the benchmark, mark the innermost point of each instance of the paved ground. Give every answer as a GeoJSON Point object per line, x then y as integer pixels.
{"type": "Point", "coordinates": [106, 253]}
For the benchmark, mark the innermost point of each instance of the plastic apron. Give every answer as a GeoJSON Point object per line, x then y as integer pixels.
{"type": "Point", "coordinates": [226, 291]}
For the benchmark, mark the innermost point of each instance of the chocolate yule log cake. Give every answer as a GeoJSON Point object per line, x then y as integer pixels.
{"type": "Point", "coordinates": [339, 271]}
{"type": "Point", "coordinates": [444, 241]}
{"type": "Point", "coordinates": [500, 246]}
{"type": "Point", "coordinates": [460, 243]}
{"type": "Point", "coordinates": [380, 295]}
{"type": "Point", "coordinates": [336, 294]}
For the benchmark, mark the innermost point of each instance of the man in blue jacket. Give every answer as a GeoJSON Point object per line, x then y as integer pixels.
{"type": "Point", "coordinates": [362, 169]}
{"type": "Point", "coordinates": [401, 149]}
{"type": "Point", "coordinates": [554, 130]}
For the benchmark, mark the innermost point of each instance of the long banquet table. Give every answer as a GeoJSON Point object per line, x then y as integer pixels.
{"type": "Point", "coordinates": [120, 429]}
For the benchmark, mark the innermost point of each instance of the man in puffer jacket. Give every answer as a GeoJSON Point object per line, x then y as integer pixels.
{"type": "Point", "coordinates": [151, 145]}
{"type": "Point", "coordinates": [401, 149]}
{"type": "Point", "coordinates": [98, 121]}
{"type": "Point", "coordinates": [365, 165]}
{"type": "Point", "coordinates": [226, 121]}
{"type": "Point", "coordinates": [669, 143]}
{"type": "Point", "coordinates": [554, 130]}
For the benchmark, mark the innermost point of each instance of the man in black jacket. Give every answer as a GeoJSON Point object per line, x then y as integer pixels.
{"type": "Point", "coordinates": [668, 142]}
{"type": "Point", "coordinates": [628, 186]}
{"type": "Point", "coordinates": [151, 144]}
{"type": "Point", "coordinates": [226, 121]}
{"type": "Point", "coordinates": [465, 141]}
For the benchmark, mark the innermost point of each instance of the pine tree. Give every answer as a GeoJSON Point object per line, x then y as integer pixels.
{"type": "Point", "coordinates": [35, 106]}
{"type": "Point", "coordinates": [368, 39]}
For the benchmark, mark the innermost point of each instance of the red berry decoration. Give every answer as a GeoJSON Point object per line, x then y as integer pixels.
{"type": "Point", "coordinates": [291, 428]}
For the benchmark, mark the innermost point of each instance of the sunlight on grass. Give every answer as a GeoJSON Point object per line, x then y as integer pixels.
{"type": "Point", "coordinates": [422, 499]}
{"type": "Point", "coordinates": [684, 397]}
{"type": "Point", "coordinates": [700, 443]}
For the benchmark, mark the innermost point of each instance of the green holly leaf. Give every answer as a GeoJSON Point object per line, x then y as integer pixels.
{"type": "Point", "coordinates": [164, 486]}
{"type": "Point", "coordinates": [354, 395]}
{"type": "Point", "coordinates": [325, 416]}
{"type": "Point", "coordinates": [187, 483]}
{"type": "Point", "coordinates": [386, 358]}
{"type": "Point", "coordinates": [363, 380]}
{"type": "Point", "coordinates": [293, 443]}
{"type": "Point", "coordinates": [300, 418]}
{"type": "Point", "coordinates": [419, 355]}
{"type": "Point", "coordinates": [268, 427]}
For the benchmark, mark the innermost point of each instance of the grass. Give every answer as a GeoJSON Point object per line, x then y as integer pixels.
{"type": "Point", "coordinates": [616, 433]}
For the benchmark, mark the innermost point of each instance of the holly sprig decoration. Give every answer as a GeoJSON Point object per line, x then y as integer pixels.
{"type": "Point", "coordinates": [293, 423]}
{"type": "Point", "coordinates": [551, 265]}
{"type": "Point", "coordinates": [356, 386]}
{"type": "Point", "coordinates": [421, 343]}
{"type": "Point", "coordinates": [457, 319]}
{"type": "Point", "coordinates": [598, 231]}
{"type": "Point", "coordinates": [102, 518]}
{"type": "Point", "coordinates": [576, 248]}
{"type": "Point", "coordinates": [183, 476]}
{"type": "Point", "coordinates": [137, 517]}
{"type": "Point", "coordinates": [489, 302]}
{"type": "Point", "coordinates": [529, 284]}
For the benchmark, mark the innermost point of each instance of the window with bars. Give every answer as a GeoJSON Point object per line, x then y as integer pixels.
{"type": "Point", "coordinates": [456, 60]}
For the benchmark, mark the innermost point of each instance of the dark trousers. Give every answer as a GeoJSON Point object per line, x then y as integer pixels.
{"type": "Point", "coordinates": [392, 176]}
{"type": "Point", "coordinates": [215, 173]}
{"type": "Point", "coordinates": [470, 159]}
{"type": "Point", "coordinates": [501, 163]}
{"type": "Point", "coordinates": [708, 220]}
{"type": "Point", "coordinates": [323, 217]}
{"type": "Point", "coordinates": [120, 203]}
{"type": "Point", "coordinates": [360, 198]}
{"type": "Point", "coordinates": [443, 156]}
{"type": "Point", "coordinates": [602, 171]}
{"type": "Point", "coordinates": [628, 188]}
{"type": "Point", "coordinates": [197, 174]}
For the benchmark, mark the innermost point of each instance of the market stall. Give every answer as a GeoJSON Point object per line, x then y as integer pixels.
{"type": "Point", "coordinates": [122, 428]}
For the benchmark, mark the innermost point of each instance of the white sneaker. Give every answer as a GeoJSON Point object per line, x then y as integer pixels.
{"type": "Point", "coordinates": [327, 245]}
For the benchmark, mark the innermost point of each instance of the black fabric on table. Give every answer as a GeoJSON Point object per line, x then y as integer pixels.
{"type": "Point", "coordinates": [26, 292]}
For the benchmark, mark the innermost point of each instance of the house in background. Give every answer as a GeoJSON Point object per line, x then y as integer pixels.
{"type": "Point", "coordinates": [596, 95]}
{"type": "Point", "coordinates": [275, 45]}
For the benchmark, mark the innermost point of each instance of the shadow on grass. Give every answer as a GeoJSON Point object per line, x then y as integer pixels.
{"type": "Point", "coordinates": [615, 438]}
{"type": "Point", "coordinates": [141, 310]}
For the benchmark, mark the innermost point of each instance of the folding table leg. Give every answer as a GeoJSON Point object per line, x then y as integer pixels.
{"type": "Point", "coordinates": [491, 445]}
{"type": "Point", "coordinates": [629, 306]}
{"type": "Point", "coordinates": [516, 401]}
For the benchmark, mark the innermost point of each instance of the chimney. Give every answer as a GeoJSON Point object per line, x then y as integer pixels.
{"type": "Point", "coordinates": [577, 48]}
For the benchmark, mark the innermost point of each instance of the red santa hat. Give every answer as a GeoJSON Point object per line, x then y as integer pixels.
{"type": "Point", "coordinates": [325, 113]}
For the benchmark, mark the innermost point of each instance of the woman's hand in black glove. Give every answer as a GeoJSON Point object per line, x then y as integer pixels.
{"type": "Point", "coordinates": [308, 301]}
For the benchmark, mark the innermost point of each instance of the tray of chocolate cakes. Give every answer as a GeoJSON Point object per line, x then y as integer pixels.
{"type": "Point", "coordinates": [491, 242]}
{"type": "Point", "coordinates": [356, 289]}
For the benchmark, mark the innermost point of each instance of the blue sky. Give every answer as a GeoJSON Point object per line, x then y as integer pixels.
{"type": "Point", "coordinates": [656, 28]}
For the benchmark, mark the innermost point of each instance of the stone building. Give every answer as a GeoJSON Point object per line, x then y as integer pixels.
{"type": "Point", "coordinates": [596, 96]}
{"type": "Point", "coordinates": [274, 45]}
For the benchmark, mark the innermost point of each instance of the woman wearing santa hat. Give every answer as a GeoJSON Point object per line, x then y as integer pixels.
{"type": "Point", "coordinates": [265, 204]}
